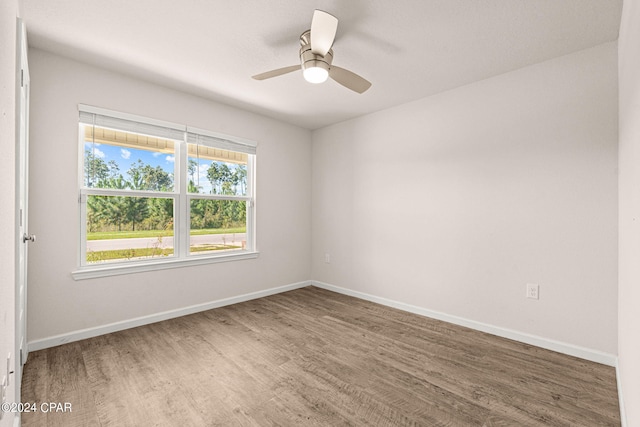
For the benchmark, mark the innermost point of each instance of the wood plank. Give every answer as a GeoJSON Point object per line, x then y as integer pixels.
{"type": "Point", "coordinates": [314, 357]}
{"type": "Point", "coordinates": [71, 387]}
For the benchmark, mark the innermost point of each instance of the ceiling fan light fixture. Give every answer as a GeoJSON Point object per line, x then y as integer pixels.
{"type": "Point", "coordinates": [316, 74]}
{"type": "Point", "coordinates": [316, 56]}
{"type": "Point", "coordinates": [315, 67]}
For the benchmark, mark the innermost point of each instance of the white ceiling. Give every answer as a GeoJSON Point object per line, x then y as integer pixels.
{"type": "Point", "coordinates": [408, 49]}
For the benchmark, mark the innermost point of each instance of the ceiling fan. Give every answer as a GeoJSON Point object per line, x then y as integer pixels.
{"type": "Point", "coordinates": [316, 56]}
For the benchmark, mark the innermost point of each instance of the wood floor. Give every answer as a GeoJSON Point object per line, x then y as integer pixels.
{"type": "Point", "coordinates": [314, 357]}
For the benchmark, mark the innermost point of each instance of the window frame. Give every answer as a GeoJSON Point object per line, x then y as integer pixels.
{"type": "Point", "coordinates": [181, 201]}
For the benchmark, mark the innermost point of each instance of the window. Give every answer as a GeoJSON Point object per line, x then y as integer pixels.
{"type": "Point", "coordinates": [159, 194]}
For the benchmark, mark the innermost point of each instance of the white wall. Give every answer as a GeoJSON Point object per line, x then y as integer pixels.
{"type": "Point", "coordinates": [629, 185]}
{"type": "Point", "coordinates": [451, 203]}
{"type": "Point", "coordinates": [60, 305]}
{"type": "Point", "coordinates": [454, 202]}
{"type": "Point", "coordinates": [8, 13]}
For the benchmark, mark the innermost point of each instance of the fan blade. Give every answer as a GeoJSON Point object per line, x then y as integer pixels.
{"type": "Point", "coordinates": [349, 79]}
{"type": "Point", "coordinates": [323, 32]}
{"type": "Point", "coordinates": [276, 73]}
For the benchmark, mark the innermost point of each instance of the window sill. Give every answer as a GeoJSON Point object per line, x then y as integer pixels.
{"type": "Point", "coordinates": [103, 270]}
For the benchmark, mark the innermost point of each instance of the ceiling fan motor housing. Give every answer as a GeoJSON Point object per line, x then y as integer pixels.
{"type": "Point", "coordinates": [308, 59]}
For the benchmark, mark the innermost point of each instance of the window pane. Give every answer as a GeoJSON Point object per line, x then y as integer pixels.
{"type": "Point", "coordinates": [125, 160]}
{"type": "Point", "coordinates": [217, 225]}
{"type": "Point", "coordinates": [128, 228]}
{"type": "Point", "coordinates": [132, 196]}
{"type": "Point", "coordinates": [216, 171]}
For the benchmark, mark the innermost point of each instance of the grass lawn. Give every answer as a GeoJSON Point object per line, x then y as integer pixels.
{"type": "Point", "coordinates": [108, 235]}
{"type": "Point", "coordinates": [122, 254]}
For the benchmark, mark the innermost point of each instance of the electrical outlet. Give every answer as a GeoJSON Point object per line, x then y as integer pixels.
{"type": "Point", "coordinates": [533, 291]}
{"type": "Point", "coordinates": [327, 258]}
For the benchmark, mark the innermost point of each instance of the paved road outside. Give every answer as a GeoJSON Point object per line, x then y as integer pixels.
{"type": "Point", "coordinates": [167, 242]}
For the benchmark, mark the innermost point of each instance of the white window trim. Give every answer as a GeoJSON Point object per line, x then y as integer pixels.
{"type": "Point", "coordinates": [105, 270]}
{"type": "Point", "coordinates": [181, 257]}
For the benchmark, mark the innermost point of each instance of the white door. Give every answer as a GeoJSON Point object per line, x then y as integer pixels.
{"type": "Point", "coordinates": [23, 238]}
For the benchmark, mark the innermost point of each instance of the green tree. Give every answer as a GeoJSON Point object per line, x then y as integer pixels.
{"type": "Point", "coordinates": [156, 213]}
{"type": "Point", "coordinates": [108, 210]}
{"type": "Point", "coordinates": [136, 210]}
{"type": "Point", "coordinates": [206, 214]}
{"type": "Point", "coordinates": [147, 177]}
{"type": "Point", "coordinates": [161, 213]}
{"type": "Point", "coordinates": [95, 169]}
{"type": "Point", "coordinates": [240, 180]}
{"type": "Point", "coordinates": [224, 179]}
{"type": "Point", "coordinates": [114, 169]}
{"type": "Point", "coordinates": [213, 175]}
{"type": "Point", "coordinates": [192, 168]}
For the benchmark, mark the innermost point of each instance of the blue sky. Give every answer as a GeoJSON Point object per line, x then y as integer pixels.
{"type": "Point", "coordinates": [125, 157]}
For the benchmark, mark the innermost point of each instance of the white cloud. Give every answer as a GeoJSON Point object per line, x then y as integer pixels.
{"type": "Point", "coordinates": [98, 153]}
{"type": "Point", "coordinates": [170, 159]}
{"type": "Point", "coordinates": [125, 153]}
{"type": "Point", "coordinates": [156, 154]}
{"type": "Point", "coordinates": [203, 180]}
{"type": "Point", "coordinates": [202, 171]}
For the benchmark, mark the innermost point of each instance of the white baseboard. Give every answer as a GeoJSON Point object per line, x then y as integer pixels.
{"type": "Point", "coordinates": [623, 413]}
{"type": "Point", "coordinates": [560, 347]}
{"type": "Point", "coordinates": [572, 350]}
{"type": "Point", "coordinates": [158, 317]}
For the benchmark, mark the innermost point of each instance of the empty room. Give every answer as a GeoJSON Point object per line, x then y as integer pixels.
{"type": "Point", "coordinates": [320, 213]}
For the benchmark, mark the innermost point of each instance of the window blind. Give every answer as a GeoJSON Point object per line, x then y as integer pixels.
{"type": "Point", "coordinates": [129, 125]}
{"type": "Point", "coordinates": [224, 144]}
